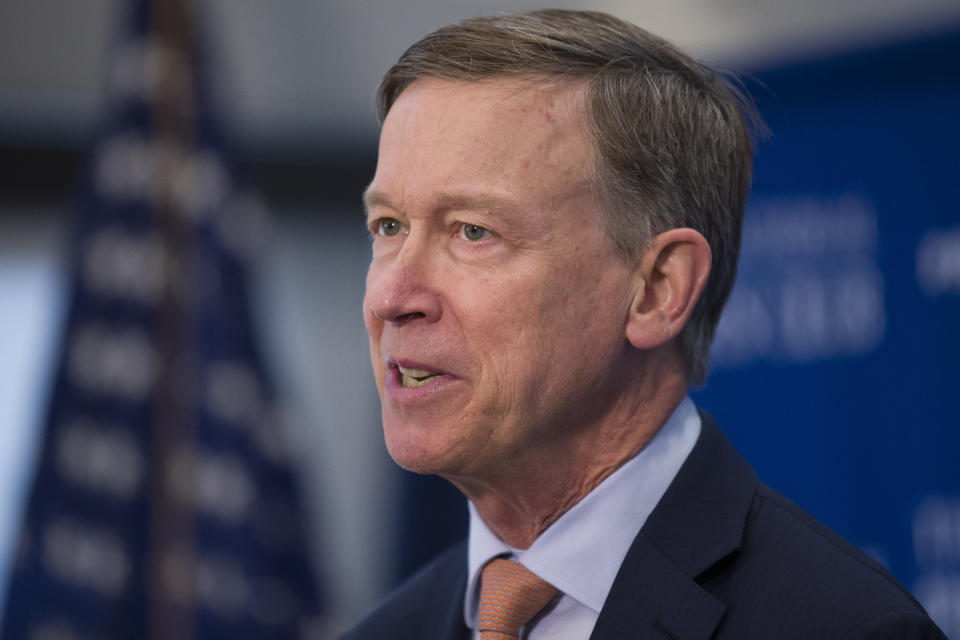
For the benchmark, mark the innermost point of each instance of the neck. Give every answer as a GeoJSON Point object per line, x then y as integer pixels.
{"type": "Point", "coordinates": [519, 501]}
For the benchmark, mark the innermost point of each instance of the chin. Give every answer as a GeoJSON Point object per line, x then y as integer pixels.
{"type": "Point", "coordinates": [418, 450]}
{"type": "Point", "coordinates": [415, 459]}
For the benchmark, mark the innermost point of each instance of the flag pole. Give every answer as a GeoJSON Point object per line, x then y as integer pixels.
{"type": "Point", "coordinates": [172, 557]}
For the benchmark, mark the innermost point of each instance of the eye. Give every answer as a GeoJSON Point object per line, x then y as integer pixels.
{"type": "Point", "coordinates": [388, 226]}
{"type": "Point", "coordinates": [474, 232]}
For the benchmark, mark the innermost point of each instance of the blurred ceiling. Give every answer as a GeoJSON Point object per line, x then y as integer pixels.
{"type": "Point", "coordinates": [301, 73]}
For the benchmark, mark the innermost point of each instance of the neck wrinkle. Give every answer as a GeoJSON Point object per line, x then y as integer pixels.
{"type": "Point", "coordinates": [520, 502]}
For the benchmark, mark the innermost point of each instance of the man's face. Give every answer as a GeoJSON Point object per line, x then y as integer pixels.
{"type": "Point", "coordinates": [495, 304]}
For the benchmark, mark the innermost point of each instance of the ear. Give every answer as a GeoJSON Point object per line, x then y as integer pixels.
{"type": "Point", "coordinates": [669, 278]}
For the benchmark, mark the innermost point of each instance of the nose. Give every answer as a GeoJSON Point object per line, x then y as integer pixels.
{"type": "Point", "coordinates": [403, 287]}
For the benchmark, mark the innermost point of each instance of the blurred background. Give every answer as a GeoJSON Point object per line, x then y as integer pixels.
{"type": "Point", "coordinates": [835, 367]}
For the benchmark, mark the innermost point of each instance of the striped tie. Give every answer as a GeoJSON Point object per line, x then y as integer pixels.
{"type": "Point", "coordinates": [510, 595]}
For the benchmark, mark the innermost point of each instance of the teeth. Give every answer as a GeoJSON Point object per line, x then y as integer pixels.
{"type": "Point", "coordinates": [407, 381]}
{"type": "Point", "coordinates": [416, 373]}
{"type": "Point", "coordinates": [415, 377]}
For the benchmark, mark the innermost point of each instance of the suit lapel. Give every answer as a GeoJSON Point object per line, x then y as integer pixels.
{"type": "Point", "coordinates": [698, 522]}
{"type": "Point", "coordinates": [447, 586]}
{"type": "Point", "coordinates": [652, 598]}
{"type": "Point", "coordinates": [449, 625]}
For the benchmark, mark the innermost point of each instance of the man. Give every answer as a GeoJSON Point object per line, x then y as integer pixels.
{"type": "Point", "coordinates": [555, 217]}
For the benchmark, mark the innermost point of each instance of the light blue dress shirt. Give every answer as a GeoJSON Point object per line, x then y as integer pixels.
{"type": "Point", "coordinates": [581, 553]}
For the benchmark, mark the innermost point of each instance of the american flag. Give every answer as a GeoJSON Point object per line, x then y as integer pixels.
{"type": "Point", "coordinates": [164, 504]}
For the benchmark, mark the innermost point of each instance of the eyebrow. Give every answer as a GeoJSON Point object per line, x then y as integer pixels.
{"type": "Point", "coordinates": [373, 197]}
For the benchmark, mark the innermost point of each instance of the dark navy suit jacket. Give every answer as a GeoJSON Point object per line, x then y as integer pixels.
{"type": "Point", "coordinates": [722, 556]}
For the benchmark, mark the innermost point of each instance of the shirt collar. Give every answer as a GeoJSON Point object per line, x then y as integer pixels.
{"type": "Point", "coordinates": [581, 553]}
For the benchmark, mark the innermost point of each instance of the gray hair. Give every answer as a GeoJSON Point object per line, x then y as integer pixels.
{"type": "Point", "coordinates": [671, 135]}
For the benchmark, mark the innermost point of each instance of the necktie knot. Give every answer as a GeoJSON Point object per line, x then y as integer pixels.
{"type": "Point", "coordinates": [510, 595]}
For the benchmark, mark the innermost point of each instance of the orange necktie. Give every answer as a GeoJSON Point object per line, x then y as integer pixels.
{"type": "Point", "coordinates": [510, 595]}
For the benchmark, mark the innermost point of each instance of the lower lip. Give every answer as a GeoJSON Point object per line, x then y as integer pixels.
{"type": "Point", "coordinates": [396, 392]}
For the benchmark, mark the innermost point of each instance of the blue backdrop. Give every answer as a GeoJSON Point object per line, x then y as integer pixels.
{"type": "Point", "coordinates": [835, 365]}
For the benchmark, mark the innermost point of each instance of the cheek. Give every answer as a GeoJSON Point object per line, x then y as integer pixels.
{"type": "Point", "coordinates": [569, 316]}
{"type": "Point", "coordinates": [374, 327]}
{"type": "Point", "coordinates": [365, 307]}
{"type": "Point", "coordinates": [512, 333]}
{"type": "Point", "coordinates": [370, 321]}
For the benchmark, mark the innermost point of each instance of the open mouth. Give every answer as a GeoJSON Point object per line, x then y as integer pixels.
{"type": "Point", "coordinates": [415, 377]}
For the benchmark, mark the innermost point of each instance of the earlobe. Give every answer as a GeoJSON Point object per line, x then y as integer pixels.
{"type": "Point", "coordinates": [670, 277]}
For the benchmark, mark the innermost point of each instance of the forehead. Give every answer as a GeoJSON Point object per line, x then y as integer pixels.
{"type": "Point", "coordinates": [556, 101]}
{"type": "Point", "coordinates": [524, 134]}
